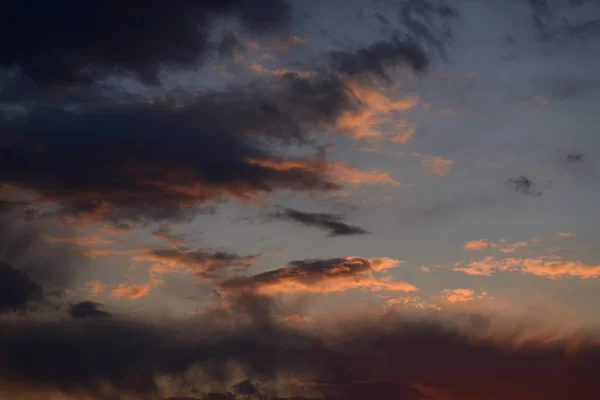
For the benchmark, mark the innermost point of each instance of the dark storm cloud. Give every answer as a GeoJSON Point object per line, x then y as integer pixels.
{"type": "Point", "coordinates": [16, 289]}
{"type": "Point", "coordinates": [151, 160]}
{"type": "Point", "coordinates": [332, 223]}
{"type": "Point", "coordinates": [88, 309]}
{"type": "Point", "coordinates": [74, 42]}
{"type": "Point", "coordinates": [154, 161]}
{"type": "Point", "coordinates": [389, 358]}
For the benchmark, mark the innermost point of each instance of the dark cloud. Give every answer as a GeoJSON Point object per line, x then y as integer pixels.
{"type": "Point", "coordinates": [153, 161]}
{"type": "Point", "coordinates": [524, 185]}
{"type": "Point", "coordinates": [87, 309]}
{"type": "Point", "coordinates": [574, 158]}
{"type": "Point", "coordinates": [74, 43]}
{"type": "Point", "coordinates": [332, 223]}
{"type": "Point", "coordinates": [143, 161]}
{"type": "Point", "coordinates": [22, 246]}
{"type": "Point", "coordinates": [230, 45]}
{"type": "Point", "coordinates": [559, 21]}
{"type": "Point", "coordinates": [386, 358]}
{"type": "Point", "coordinates": [16, 289]}
{"type": "Point", "coordinates": [377, 58]}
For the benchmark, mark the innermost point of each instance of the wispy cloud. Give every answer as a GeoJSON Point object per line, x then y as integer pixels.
{"type": "Point", "coordinates": [332, 223]}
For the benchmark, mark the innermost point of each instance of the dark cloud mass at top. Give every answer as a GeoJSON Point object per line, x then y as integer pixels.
{"type": "Point", "coordinates": [73, 42]}
{"type": "Point", "coordinates": [151, 161]}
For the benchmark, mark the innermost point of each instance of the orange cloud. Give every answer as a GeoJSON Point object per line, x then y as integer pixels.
{"type": "Point", "coordinates": [457, 295]}
{"type": "Point", "coordinates": [336, 171]}
{"type": "Point", "coordinates": [374, 107]}
{"type": "Point", "coordinates": [259, 69]}
{"type": "Point", "coordinates": [319, 276]}
{"type": "Point", "coordinates": [477, 244]}
{"type": "Point", "coordinates": [424, 268]}
{"type": "Point", "coordinates": [356, 176]}
{"type": "Point", "coordinates": [94, 288]}
{"type": "Point", "coordinates": [379, 264]}
{"type": "Point", "coordinates": [553, 267]}
{"type": "Point", "coordinates": [437, 165]}
{"type": "Point", "coordinates": [412, 302]}
{"type": "Point", "coordinates": [511, 248]}
{"type": "Point", "coordinates": [134, 291]}
{"type": "Point", "coordinates": [487, 266]}
{"type": "Point", "coordinates": [407, 131]}
{"type": "Point", "coordinates": [195, 262]}
{"type": "Point", "coordinates": [105, 252]}
{"type": "Point", "coordinates": [295, 318]}
{"type": "Point", "coordinates": [90, 240]}
{"type": "Point", "coordinates": [285, 71]}
{"type": "Point", "coordinates": [565, 234]}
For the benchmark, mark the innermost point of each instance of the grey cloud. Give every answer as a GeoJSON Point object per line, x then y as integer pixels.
{"type": "Point", "coordinates": [87, 309]}
{"type": "Point", "coordinates": [332, 223]}
{"type": "Point", "coordinates": [16, 289]}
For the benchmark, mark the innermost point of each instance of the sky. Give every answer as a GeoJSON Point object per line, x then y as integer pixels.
{"type": "Point", "coordinates": [273, 199]}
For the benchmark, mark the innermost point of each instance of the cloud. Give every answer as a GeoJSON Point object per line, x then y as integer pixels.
{"type": "Point", "coordinates": [458, 295]}
{"type": "Point", "coordinates": [574, 158]}
{"type": "Point", "coordinates": [513, 247]}
{"type": "Point", "coordinates": [486, 244]}
{"type": "Point", "coordinates": [565, 234]}
{"type": "Point", "coordinates": [94, 288]}
{"type": "Point", "coordinates": [165, 235]}
{"type": "Point", "coordinates": [477, 244]}
{"type": "Point", "coordinates": [135, 291]}
{"type": "Point", "coordinates": [16, 289]}
{"type": "Point", "coordinates": [524, 185]}
{"type": "Point", "coordinates": [320, 276]}
{"type": "Point", "coordinates": [377, 58]}
{"type": "Point", "coordinates": [354, 359]}
{"type": "Point", "coordinates": [412, 302]}
{"type": "Point", "coordinates": [553, 267]}
{"type": "Point", "coordinates": [22, 246]}
{"type": "Point", "coordinates": [222, 145]}
{"type": "Point", "coordinates": [91, 240]}
{"type": "Point", "coordinates": [407, 131]}
{"type": "Point", "coordinates": [437, 165]}
{"type": "Point", "coordinates": [88, 309]}
{"type": "Point", "coordinates": [196, 262]}
{"type": "Point", "coordinates": [375, 107]}
{"type": "Point", "coordinates": [334, 171]}
{"type": "Point", "coordinates": [332, 223]}
{"type": "Point", "coordinates": [80, 43]}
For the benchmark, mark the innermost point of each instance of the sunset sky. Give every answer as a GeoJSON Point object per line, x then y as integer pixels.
{"type": "Point", "coordinates": [271, 199]}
